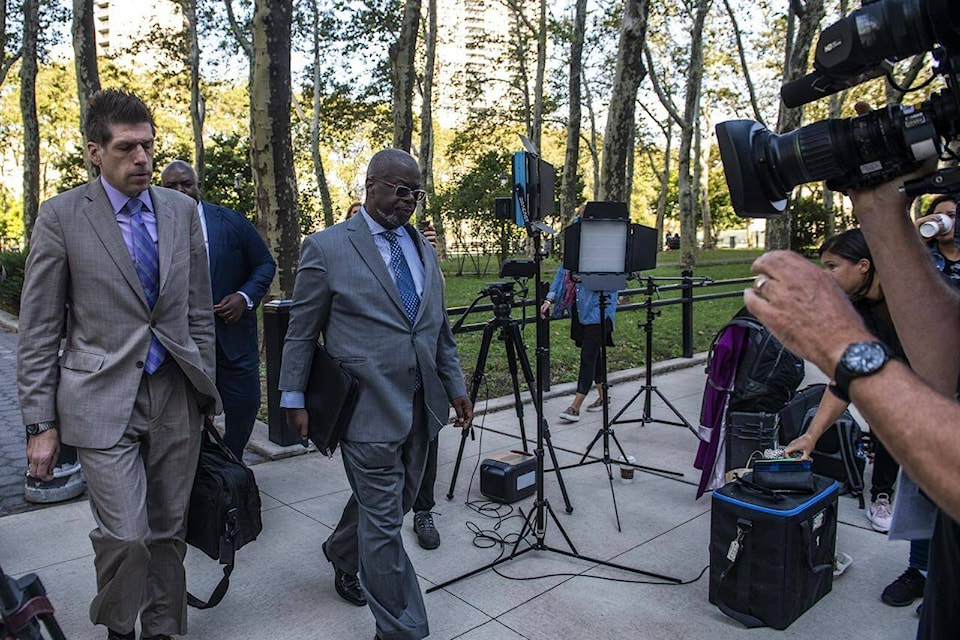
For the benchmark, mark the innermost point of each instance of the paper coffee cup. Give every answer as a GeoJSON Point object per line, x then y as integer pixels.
{"type": "Point", "coordinates": [626, 472]}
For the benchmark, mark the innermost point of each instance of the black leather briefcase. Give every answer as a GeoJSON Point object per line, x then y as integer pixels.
{"type": "Point", "coordinates": [330, 399]}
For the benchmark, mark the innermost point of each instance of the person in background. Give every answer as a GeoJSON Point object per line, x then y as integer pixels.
{"type": "Point", "coordinates": [372, 287]}
{"type": "Point", "coordinates": [352, 210]}
{"type": "Point", "coordinates": [241, 270]}
{"type": "Point", "coordinates": [118, 273]}
{"type": "Point", "coordinates": [943, 246]}
{"type": "Point", "coordinates": [847, 259]}
{"type": "Point", "coordinates": [585, 331]}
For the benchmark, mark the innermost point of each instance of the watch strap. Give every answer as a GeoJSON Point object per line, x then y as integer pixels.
{"type": "Point", "coordinates": [843, 375]}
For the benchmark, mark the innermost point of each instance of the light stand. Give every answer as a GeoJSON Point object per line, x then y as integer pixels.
{"type": "Point", "coordinates": [501, 295]}
{"type": "Point", "coordinates": [648, 389]}
{"type": "Point", "coordinates": [536, 520]}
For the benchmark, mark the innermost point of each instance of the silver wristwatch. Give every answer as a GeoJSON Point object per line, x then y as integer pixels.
{"type": "Point", "coordinates": [40, 427]}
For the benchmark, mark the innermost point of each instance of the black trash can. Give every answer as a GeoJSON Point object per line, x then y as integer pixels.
{"type": "Point", "coordinates": [276, 316]}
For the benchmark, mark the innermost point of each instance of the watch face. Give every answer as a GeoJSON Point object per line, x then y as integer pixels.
{"type": "Point", "coordinates": [864, 357]}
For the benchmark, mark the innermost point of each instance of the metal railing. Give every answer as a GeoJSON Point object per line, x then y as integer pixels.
{"type": "Point", "coordinates": [685, 285]}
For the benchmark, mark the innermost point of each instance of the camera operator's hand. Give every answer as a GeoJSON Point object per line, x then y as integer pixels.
{"type": "Point", "coordinates": [804, 307]}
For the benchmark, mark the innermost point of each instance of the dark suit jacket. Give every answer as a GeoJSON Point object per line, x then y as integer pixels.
{"type": "Point", "coordinates": [343, 289]}
{"type": "Point", "coordinates": [239, 261]}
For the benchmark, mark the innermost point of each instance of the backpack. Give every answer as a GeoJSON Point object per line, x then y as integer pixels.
{"type": "Point", "coordinates": [840, 451]}
{"type": "Point", "coordinates": [767, 373]}
{"type": "Point", "coordinates": [224, 509]}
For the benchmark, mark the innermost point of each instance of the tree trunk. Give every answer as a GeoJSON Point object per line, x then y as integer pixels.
{"type": "Point", "coordinates": [320, 175]}
{"type": "Point", "coordinates": [402, 71]}
{"type": "Point", "coordinates": [620, 116]}
{"type": "Point", "coordinates": [664, 184]}
{"type": "Point", "coordinates": [28, 112]}
{"type": "Point", "coordinates": [197, 103]}
{"type": "Point", "coordinates": [703, 186]}
{"type": "Point", "coordinates": [271, 147]}
{"type": "Point", "coordinates": [796, 57]}
{"type": "Point", "coordinates": [85, 62]}
{"type": "Point", "coordinates": [426, 127]}
{"type": "Point", "coordinates": [593, 144]}
{"type": "Point", "coordinates": [571, 159]}
{"type": "Point", "coordinates": [537, 124]}
{"type": "Point", "coordinates": [691, 113]}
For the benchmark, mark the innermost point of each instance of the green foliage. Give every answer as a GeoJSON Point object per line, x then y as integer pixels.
{"type": "Point", "coordinates": [228, 179]}
{"type": "Point", "coordinates": [13, 262]}
{"type": "Point", "coordinates": [468, 201]}
{"type": "Point", "coordinates": [11, 219]}
{"type": "Point", "coordinates": [808, 224]}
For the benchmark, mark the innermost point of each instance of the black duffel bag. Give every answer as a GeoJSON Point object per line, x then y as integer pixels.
{"type": "Point", "coordinates": [224, 509]}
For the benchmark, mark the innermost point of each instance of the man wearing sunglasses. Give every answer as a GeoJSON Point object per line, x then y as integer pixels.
{"type": "Point", "coordinates": [372, 287]}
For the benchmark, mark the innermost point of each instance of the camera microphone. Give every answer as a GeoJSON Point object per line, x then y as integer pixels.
{"type": "Point", "coordinates": [816, 85]}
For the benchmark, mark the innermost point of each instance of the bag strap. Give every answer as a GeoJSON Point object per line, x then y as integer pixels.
{"type": "Point", "coordinates": [219, 591]}
{"type": "Point", "coordinates": [744, 527]}
{"type": "Point", "coordinates": [848, 455]}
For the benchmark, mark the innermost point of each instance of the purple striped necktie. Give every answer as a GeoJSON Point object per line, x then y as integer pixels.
{"type": "Point", "coordinates": [147, 262]}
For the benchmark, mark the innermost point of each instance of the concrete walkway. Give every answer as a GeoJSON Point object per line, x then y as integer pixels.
{"type": "Point", "coordinates": [282, 587]}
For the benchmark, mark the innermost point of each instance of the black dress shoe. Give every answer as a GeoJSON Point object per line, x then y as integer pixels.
{"type": "Point", "coordinates": [346, 584]}
{"type": "Point", "coordinates": [116, 635]}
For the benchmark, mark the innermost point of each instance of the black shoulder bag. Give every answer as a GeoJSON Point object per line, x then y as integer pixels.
{"type": "Point", "coordinates": [224, 510]}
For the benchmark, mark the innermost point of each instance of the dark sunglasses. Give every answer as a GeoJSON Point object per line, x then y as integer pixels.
{"type": "Point", "coordinates": [402, 191]}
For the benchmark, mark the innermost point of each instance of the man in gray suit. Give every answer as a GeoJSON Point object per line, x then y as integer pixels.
{"type": "Point", "coordinates": [372, 287]}
{"type": "Point", "coordinates": [117, 271]}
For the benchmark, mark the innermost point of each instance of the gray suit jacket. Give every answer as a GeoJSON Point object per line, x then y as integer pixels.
{"type": "Point", "coordinates": [343, 290]}
{"type": "Point", "coordinates": [81, 286]}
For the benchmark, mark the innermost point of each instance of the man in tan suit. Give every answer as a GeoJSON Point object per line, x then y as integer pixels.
{"type": "Point", "coordinates": [117, 272]}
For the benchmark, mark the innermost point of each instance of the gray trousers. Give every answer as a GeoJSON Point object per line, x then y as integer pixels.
{"type": "Point", "coordinates": [139, 493]}
{"type": "Point", "coordinates": [385, 478]}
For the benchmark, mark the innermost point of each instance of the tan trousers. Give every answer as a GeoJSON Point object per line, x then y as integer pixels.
{"type": "Point", "coordinates": [139, 493]}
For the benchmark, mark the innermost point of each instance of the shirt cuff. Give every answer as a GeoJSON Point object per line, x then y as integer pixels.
{"type": "Point", "coordinates": [247, 298]}
{"type": "Point", "coordinates": [292, 400]}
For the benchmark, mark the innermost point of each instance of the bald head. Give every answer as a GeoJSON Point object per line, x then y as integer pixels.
{"type": "Point", "coordinates": [180, 175]}
{"type": "Point", "coordinates": [389, 169]}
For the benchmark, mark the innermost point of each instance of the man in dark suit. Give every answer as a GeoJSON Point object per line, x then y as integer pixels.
{"type": "Point", "coordinates": [241, 270]}
{"type": "Point", "coordinates": [118, 272]}
{"type": "Point", "coordinates": [372, 287]}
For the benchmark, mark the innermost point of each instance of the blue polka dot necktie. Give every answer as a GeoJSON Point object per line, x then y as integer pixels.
{"type": "Point", "coordinates": [147, 261]}
{"type": "Point", "coordinates": [405, 285]}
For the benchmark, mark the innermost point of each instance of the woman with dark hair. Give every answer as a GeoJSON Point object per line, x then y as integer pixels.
{"type": "Point", "coordinates": [943, 245]}
{"type": "Point", "coordinates": [847, 258]}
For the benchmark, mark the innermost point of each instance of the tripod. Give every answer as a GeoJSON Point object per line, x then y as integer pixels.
{"type": "Point", "coordinates": [536, 521]}
{"type": "Point", "coordinates": [501, 294]}
{"type": "Point", "coordinates": [648, 389]}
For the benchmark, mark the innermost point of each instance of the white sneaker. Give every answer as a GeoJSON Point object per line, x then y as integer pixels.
{"type": "Point", "coordinates": [880, 513]}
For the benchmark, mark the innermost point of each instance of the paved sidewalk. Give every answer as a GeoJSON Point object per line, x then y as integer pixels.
{"type": "Point", "coordinates": [282, 588]}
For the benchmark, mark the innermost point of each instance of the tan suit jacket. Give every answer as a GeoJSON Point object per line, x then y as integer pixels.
{"type": "Point", "coordinates": [81, 286]}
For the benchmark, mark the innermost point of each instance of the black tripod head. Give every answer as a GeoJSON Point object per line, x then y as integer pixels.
{"type": "Point", "coordinates": [501, 295]}
{"type": "Point", "coordinates": [25, 610]}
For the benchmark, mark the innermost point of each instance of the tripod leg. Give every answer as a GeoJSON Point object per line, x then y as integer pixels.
{"type": "Point", "coordinates": [529, 379]}
{"type": "Point", "coordinates": [517, 401]}
{"type": "Point", "coordinates": [474, 391]}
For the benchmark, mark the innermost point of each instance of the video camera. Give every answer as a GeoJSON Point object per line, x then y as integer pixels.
{"type": "Point", "coordinates": [762, 167]}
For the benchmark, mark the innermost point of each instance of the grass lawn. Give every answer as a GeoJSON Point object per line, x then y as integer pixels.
{"type": "Point", "coordinates": [629, 337]}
